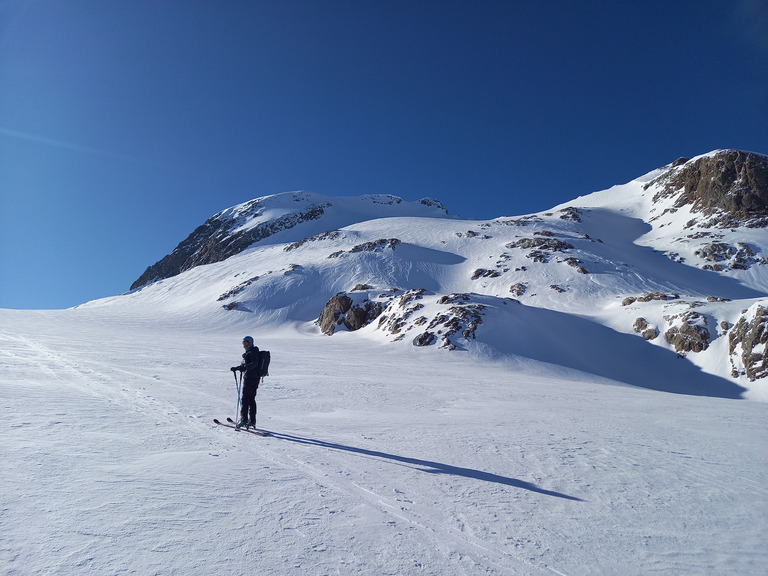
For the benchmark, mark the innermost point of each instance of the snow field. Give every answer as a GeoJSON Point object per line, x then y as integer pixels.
{"type": "Point", "coordinates": [384, 459]}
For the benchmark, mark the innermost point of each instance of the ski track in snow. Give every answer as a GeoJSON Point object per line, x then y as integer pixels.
{"type": "Point", "coordinates": [382, 462]}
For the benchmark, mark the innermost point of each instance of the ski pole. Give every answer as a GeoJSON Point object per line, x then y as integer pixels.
{"type": "Point", "coordinates": [237, 387]}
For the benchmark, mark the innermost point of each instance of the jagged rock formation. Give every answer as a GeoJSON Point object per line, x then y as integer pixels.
{"type": "Point", "coordinates": [219, 238]}
{"type": "Point", "coordinates": [544, 245]}
{"type": "Point", "coordinates": [455, 316]}
{"type": "Point", "coordinates": [341, 309]}
{"type": "Point", "coordinates": [373, 246]}
{"type": "Point", "coordinates": [688, 332]}
{"type": "Point", "coordinates": [737, 257]}
{"type": "Point", "coordinates": [233, 230]}
{"type": "Point", "coordinates": [399, 309]}
{"type": "Point", "coordinates": [237, 289]}
{"type": "Point", "coordinates": [462, 318]}
{"type": "Point", "coordinates": [648, 297]}
{"type": "Point", "coordinates": [647, 331]}
{"type": "Point", "coordinates": [329, 235]}
{"type": "Point", "coordinates": [730, 186]}
{"type": "Point", "coordinates": [748, 344]}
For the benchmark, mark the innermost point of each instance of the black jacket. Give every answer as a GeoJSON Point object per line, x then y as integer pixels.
{"type": "Point", "coordinates": [250, 367]}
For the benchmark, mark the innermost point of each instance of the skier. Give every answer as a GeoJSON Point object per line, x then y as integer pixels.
{"type": "Point", "coordinates": [250, 367]}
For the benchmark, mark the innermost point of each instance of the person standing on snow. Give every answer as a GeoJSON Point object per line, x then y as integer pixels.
{"type": "Point", "coordinates": [251, 376]}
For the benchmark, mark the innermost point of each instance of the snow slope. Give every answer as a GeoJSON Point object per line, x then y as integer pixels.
{"type": "Point", "coordinates": [383, 460]}
{"type": "Point", "coordinates": [565, 286]}
{"type": "Point", "coordinates": [534, 432]}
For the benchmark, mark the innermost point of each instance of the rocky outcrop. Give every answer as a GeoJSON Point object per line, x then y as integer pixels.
{"type": "Point", "coordinates": [647, 331]}
{"type": "Point", "coordinates": [453, 320]}
{"type": "Point", "coordinates": [485, 273]}
{"type": "Point", "coordinates": [648, 297]}
{"type": "Point", "coordinates": [576, 263]}
{"type": "Point", "coordinates": [688, 332]}
{"type": "Point", "coordinates": [571, 213]}
{"type": "Point", "coordinates": [399, 309]}
{"type": "Point", "coordinates": [730, 185]}
{"type": "Point", "coordinates": [219, 238]}
{"type": "Point", "coordinates": [724, 256]}
{"type": "Point", "coordinates": [543, 244]}
{"type": "Point", "coordinates": [373, 246]}
{"type": "Point", "coordinates": [329, 235]}
{"type": "Point", "coordinates": [341, 310]}
{"type": "Point", "coordinates": [462, 318]}
{"type": "Point", "coordinates": [237, 289]}
{"type": "Point", "coordinates": [748, 344]}
{"type": "Point", "coordinates": [237, 228]}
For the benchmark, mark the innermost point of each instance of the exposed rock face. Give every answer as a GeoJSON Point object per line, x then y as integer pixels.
{"type": "Point", "coordinates": [373, 246]}
{"type": "Point", "coordinates": [731, 182]}
{"type": "Point", "coordinates": [237, 289]}
{"type": "Point", "coordinates": [329, 235]}
{"type": "Point", "coordinates": [484, 273]}
{"type": "Point", "coordinates": [342, 310]}
{"type": "Point", "coordinates": [748, 344]}
{"type": "Point", "coordinates": [645, 330]}
{"type": "Point", "coordinates": [334, 308]}
{"type": "Point", "coordinates": [648, 297]}
{"type": "Point", "coordinates": [738, 257]}
{"type": "Point", "coordinates": [690, 334]}
{"type": "Point", "coordinates": [462, 317]}
{"type": "Point", "coordinates": [399, 310]}
{"type": "Point", "coordinates": [543, 244]}
{"type": "Point", "coordinates": [454, 321]}
{"type": "Point", "coordinates": [218, 239]}
{"type": "Point", "coordinates": [237, 228]}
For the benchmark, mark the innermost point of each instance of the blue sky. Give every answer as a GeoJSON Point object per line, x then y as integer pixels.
{"type": "Point", "coordinates": [125, 124]}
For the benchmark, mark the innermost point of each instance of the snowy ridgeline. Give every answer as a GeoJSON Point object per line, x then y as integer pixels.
{"type": "Point", "coordinates": [646, 283]}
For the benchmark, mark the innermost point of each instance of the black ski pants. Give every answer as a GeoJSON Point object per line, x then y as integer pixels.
{"type": "Point", "coordinates": [248, 404]}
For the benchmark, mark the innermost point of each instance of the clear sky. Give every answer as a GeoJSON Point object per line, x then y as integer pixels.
{"type": "Point", "coordinates": [125, 124]}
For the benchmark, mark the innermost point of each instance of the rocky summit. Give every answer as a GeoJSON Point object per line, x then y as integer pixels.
{"type": "Point", "coordinates": [726, 188]}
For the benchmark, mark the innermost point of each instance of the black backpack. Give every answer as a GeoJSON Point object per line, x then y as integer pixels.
{"type": "Point", "coordinates": [263, 363]}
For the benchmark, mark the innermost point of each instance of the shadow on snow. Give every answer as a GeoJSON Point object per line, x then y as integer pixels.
{"type": "Point", "coordinates": [579, 343]}
{"type": "Point", "coordinates": [426, 465]}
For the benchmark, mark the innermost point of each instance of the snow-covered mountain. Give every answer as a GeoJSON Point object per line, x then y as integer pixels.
{"type": "Point", "coordinates": [621, 283]}
{"type": "Point", "coordinates": [278, 218]}
{"type": "Point", "coordinates": [546, 394]}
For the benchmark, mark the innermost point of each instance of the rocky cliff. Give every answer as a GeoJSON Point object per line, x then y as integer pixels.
{"type": "Point", "coordinates": [729, 187]}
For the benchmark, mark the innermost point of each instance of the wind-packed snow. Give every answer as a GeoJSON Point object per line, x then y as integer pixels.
{"type": "Point", "coordinates": [383, 460]}
{"type": "Point", "coordinates": [552, 439]}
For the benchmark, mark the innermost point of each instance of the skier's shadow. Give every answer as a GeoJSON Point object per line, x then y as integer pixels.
{"type": "Point", "coordinates": [425, 465]}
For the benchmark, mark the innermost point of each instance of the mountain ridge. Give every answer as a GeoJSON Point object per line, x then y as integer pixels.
{"type": "Point", "coordinates": [235, 229]}
{"type": "Point", "coordinates": [633, 260]}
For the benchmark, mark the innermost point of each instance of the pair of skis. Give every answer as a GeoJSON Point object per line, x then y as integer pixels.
{"type": "Point", "coordinates": [231, 424]}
